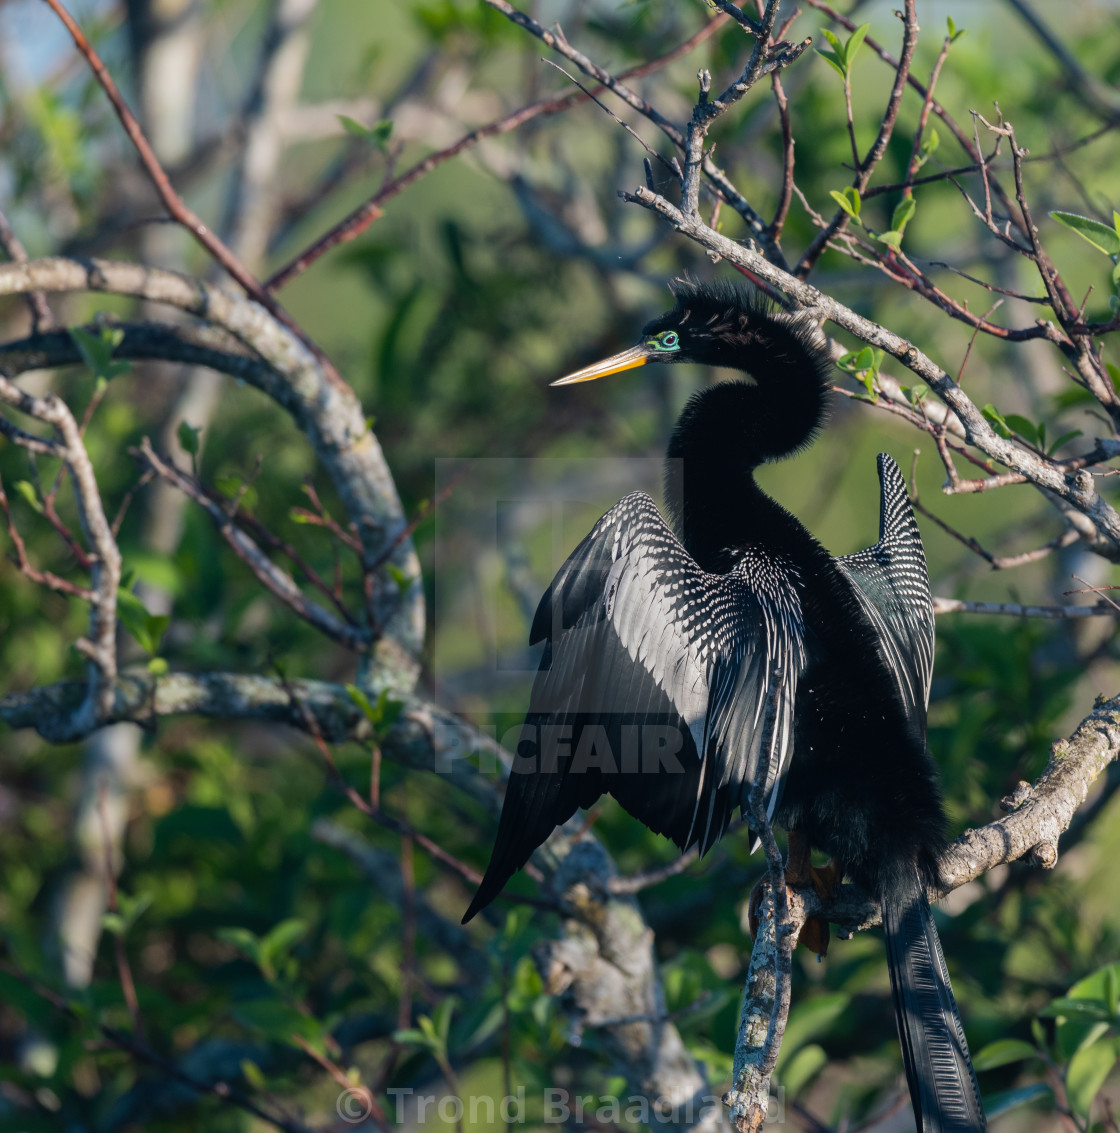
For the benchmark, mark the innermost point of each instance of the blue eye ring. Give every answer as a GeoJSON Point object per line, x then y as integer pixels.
{"type": "Point", "coordinates": [666, 340]}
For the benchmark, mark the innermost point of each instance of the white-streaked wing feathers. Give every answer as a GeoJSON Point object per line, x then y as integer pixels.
{"type": "Point", "coordinates": [637, 631]}
{"type": "Point", "coordinates": [892, 584]}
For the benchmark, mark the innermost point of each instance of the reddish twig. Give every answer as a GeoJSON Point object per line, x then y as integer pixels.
{"type": "Point", "coordinates": [142, 1052]}
{"type": "Point", "coordinates": [866, 167]}
{"type": "Point", "coordinates": [927, 103]}
{"type": "Point", "coordinates": [41, 577]}
{"type": "Point", "coordinates": [786, 194]}
{"type": "Point", "coordinates": [1093, 590]}
{"type": "Point", "coordinates": [176, 207]}
{"type": "Point", "coordinates": [366, 213]}
{"type": "Point", "coordinates": [408, 935]}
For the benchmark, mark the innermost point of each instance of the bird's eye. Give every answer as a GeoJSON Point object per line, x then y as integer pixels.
{"type": "Point", "coordinates": [666, 340]}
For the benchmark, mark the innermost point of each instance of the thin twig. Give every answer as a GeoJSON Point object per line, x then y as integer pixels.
{"type": "Point", "coordinates": [279, 582]}
{"type": "Point", "coordinates": [365, 214]}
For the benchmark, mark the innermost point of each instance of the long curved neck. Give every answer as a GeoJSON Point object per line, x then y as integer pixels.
{"type": "Point", "coordinates": [718, 513]}
{"type": "Point", "coordinates": [725, 432]}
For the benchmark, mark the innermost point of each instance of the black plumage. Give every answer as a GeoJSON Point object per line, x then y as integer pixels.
{"type": "Point", "coordinates": [679, 672]}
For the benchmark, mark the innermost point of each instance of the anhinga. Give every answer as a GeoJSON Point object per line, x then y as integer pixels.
{"type": "Point", "coordinates": [760, 657]}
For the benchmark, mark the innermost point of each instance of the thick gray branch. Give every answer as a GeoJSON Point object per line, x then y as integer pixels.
{"type": "Point", "coordinates": [324, 408]}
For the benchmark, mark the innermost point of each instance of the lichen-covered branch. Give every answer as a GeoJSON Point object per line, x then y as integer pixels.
{"type": "Point", "coordinates": [603, 966]}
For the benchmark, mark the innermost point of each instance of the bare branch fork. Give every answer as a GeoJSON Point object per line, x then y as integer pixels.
{"type": "Point", "coordinates": [764, 59]}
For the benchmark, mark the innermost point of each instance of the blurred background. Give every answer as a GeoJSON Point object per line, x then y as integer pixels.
{"type": "Point", "coordinates": [255, 903]}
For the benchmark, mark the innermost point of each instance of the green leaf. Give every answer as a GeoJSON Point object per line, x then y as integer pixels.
{"type": "Point", "coordinates": [929, 146]}
{"type": "Point", "coordinates": [1103, 238]}
{"type": "Point", "coordinates": [410, 1036]}
{"type": "Point", "coordinates": [1065, 438]}
{"type": "Point", "coordinates": [253, 1075]}
{"type": "Point", "coordinates": [1076, 1005]}
{"type": "Point", "coordinates": [379, 133]}
{"type": "Point", "coordinates": [188, 438]}
{"type": "Point", "coordinates": [234, 488]}
{"type": "Point", "coordinates": [277, 943]}
{"type": "Point", "coordinates": [916, 392]}
{"type": "Point", "coordinates": [242, 939]}
{"type": "Point", "coordinates": [848, 200]}
{"type": "Point", "coordinates": [855, 360]}
{"type": "Point", "coordinates": [994, 418]}
{"type": "Point", "coordinates": [353, 126]}
{"type": "Point", "coordinates": [891, 239]}
{"type": "Point", "coordinates": [1003, 1102]}
{"type": "Point", "coordinates": [113, 923]}
{"type": "Point", "coordinates": [834, 61]}
{"type": "Point", "coordinates": [144, 627]}
{"type": "Point", "coordinates": [97, 349]}
{"type": "Point", "coordinates": [1087, 1072]}
{"type": "Point", "coordinates": [400, 577]}
{"type": "Point", "coordinates": [1002, 1052]}
{"type": "Point", "coordinates": [158, 667]}
{"type": "Point", "coordinates": [441, 1018]}
{"type": "Point", "coordinates": [280, 1021]}
{"type": "Point", "coordinates": [833, 39]}
{"type": "Point", "coordinates": [132, 907]}
{"type": "Point", "coordinates": [903, 211]}
{"type": "Point", "coordinates": [382, 131]}
{"type": "Point", "coordinates": [1116, 275]}
{"type": "Point", "coordinates": [802, 1068]}
{"type": "Point", "coordinates": [954, 33]}
{"type": "Point", "coordinates": [27, 490]}
{"type": "Point", "coordinates": [855, 42]}
{"type": "Point", "coordinates": [382, 715]}
{"type": "Point", "coordinates": [1025, 428]}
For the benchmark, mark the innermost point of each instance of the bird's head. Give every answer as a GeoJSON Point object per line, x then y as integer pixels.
{"type": "Point", "coordinates": [714, 324]}
{"type": "Point", "coordinates": [666, 339]}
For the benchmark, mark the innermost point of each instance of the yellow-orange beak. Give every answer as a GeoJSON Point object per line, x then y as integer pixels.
{"type": "Point", "coordinates": [636, 356]}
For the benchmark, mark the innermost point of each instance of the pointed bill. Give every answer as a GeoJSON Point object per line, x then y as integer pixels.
{"type": "Point", "coordinates": [636, 356]}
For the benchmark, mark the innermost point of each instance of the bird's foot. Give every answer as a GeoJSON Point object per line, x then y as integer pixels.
{"type": "Point", "coordinates": [799, 873]}
{"type": "Point", "coordinates": [815, 933]}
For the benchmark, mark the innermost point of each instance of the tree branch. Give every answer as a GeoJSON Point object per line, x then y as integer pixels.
{"type": "Point", "coordinates": [1078, 489]}
{"type": "Point", "coordinates": [325, 408]}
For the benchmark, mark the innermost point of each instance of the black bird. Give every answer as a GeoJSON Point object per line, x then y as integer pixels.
{"type": "Point", "coordinates": [679, 672]}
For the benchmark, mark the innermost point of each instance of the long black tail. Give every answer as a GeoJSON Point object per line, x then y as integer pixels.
{"type": "Point", "coordinates": [938, 1069]}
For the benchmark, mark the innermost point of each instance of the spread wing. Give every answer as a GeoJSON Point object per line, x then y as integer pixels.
{"type": "Point", "coordinates": [670, 688]}
{"type": "Point", "coordinates": [892, 584]}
